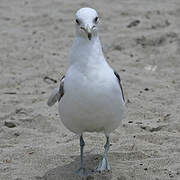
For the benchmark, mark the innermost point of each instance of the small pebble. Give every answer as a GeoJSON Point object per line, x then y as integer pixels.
{"type": "Point", "coordinates": [130, 121]}
{"type": "Point", "coordinates": [9, 124]}
{"type": "Point", "coordinates": [146, 89]}
{"type": "Point", "coordinates": [16, 134]}
{"type": "Point", "coordinates": [133, 23]}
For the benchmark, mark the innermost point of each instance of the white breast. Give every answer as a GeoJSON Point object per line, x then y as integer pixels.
{"type": "Point", "coordinates": [92, 98]}
{"type": "Point", "coordinates": [92, 102]}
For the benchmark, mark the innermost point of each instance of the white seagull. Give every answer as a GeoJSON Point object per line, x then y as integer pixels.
{"type": "Point", "coordinates": [90, 95]}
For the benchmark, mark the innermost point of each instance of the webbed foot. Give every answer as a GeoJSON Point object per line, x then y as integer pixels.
{"type": "Point", "coordinates": [103, 165]}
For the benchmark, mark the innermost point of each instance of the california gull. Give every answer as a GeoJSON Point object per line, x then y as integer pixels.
{"type": "Point", "coordinates": [90, 94]}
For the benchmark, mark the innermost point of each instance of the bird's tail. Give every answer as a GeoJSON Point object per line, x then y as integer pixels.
{"type": "Point", "coordinates": [54, 97]}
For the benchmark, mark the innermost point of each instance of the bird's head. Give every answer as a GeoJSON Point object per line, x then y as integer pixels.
{"type": "Point", "coordinates": [86, 20]}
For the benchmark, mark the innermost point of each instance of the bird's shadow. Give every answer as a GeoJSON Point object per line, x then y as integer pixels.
{"type": "Point", "coordinates": [67, 172]}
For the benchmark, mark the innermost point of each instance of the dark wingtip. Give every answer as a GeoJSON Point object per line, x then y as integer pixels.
{"type": "Point", "coordinates": [119, 80]}
{"type": "Point", "coordinates": [89, 36]}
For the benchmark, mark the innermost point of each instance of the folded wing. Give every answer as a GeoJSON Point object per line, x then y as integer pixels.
{"type": "Point", "coordinates": [56, 94]}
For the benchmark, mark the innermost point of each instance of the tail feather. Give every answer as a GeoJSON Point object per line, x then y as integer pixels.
{"type": "Point", "coordinates": [54, 97]}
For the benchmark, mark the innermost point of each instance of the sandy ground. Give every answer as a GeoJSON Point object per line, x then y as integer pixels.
{"type": "Point", "coordinates": [141, 40]}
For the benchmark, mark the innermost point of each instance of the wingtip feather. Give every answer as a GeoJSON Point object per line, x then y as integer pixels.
{"type": "Point", "coordinates": [53, 97]}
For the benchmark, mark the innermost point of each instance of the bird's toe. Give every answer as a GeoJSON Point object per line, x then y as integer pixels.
{"type": "Point", "coordinates": [103, 165]}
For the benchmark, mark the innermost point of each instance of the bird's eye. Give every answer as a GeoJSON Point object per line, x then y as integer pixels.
{"type": "Point", "coordinates": [96, 19]}
{"type": "Point", "coordinates": [77, 21]}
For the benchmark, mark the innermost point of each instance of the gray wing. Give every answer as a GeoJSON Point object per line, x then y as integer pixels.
{"type": "Point", "coordinates": [57, 93]}
{"type": "Point", "coordinates": [119, 80]}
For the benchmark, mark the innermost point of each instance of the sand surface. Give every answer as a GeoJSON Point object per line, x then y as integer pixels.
{"type": "Point", "coordinates": [141, 40]}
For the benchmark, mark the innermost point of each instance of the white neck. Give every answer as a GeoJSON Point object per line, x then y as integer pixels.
{"type": "Point", "coordinates": [85, 52]}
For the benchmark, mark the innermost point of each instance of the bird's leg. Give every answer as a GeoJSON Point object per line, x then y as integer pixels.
{"type": "Point", "coordinates": [81, 171]}
{"type": "Point", "coordinates": [104, 164]}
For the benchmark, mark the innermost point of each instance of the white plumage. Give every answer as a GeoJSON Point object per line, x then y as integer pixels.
{"type": "Point", "coordinates": [92, 99]}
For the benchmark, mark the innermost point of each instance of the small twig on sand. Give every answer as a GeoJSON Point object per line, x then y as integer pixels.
{"type": "Point", "coordinates": [10, 93]}
{"type": "Point", "coordinates": [49, 78]}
